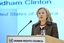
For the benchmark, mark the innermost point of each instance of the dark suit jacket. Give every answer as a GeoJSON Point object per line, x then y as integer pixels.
{"type": "Point", "coordinates": [50, 29]}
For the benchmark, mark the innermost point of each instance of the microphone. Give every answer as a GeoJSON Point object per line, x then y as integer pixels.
{"type": "Point", "coordinates": [24, 26]}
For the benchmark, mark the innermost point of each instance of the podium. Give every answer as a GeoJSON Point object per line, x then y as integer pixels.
{"type": "Point", "coordinates": [32, 39]}
{"type": "Point", "coordinates": [50, 39]}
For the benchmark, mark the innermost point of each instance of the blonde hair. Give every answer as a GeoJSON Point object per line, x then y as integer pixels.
{"type": "Point", "coordinates": [49, 18]}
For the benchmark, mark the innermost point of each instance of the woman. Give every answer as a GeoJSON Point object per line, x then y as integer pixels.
{"type": "Point", "coordinates": [45, 21]}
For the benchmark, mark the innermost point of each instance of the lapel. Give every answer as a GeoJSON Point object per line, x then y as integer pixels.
{"type": "Point", "coordinates": [46, 27]}
{"type": "Point", "coordinates": [48, 24]}
{"type": "Point", "coordinates": [38, 29]}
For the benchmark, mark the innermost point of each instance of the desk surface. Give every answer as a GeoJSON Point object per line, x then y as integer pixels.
{"type": "Point", "coordinates": [50, 39]}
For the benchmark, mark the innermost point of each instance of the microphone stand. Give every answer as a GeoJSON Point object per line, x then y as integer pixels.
{"type": "Point", "coordinates": [24, 27]}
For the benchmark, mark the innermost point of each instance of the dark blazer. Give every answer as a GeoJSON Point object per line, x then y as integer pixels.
{"type": "Point", "coordinates": [50, 29]}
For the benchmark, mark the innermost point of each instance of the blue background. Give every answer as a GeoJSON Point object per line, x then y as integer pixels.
{"type": "Point", "coordinates": [14, 17]}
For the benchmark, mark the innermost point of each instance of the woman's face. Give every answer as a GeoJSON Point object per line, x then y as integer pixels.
{"type": "Point", "coordinates": [42, 14]}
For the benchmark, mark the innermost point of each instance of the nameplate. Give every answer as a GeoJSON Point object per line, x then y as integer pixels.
{"type": "Point", "coordinates": [25, 39]}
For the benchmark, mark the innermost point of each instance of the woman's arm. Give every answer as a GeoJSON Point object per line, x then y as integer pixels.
{"type": "Point", "coordinates": [55, 30]}
{"type": "Point", "coordinates": [32, 33]}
